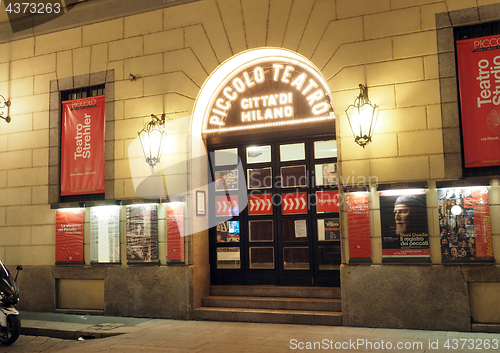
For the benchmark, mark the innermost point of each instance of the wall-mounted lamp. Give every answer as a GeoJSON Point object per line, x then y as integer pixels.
{"type": "Point", "coordinates": [152, 138]}
{"type": "Point", "coordinates": [362, 117]}
{"type": "Point", "coordinates": [4, 103]}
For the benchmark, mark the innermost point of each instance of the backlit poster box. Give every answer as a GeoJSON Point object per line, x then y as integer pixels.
{"type": "Point", "coordinates": [175, 231]}
{"type": "Point", "coordinates": [478, 61]}
{"type": "Point", "coordinates": [142, 232]}
{"type": "Point", "coordinates": [358, 224]}
{"type": "Point", "coordinates": [69, 235]}
{"type": "Point", "coordinates": [403, 216]}
{"type": "Point", "coordinates": [464, 223]}
{"type": "Point", "coordinates": [105, 234]}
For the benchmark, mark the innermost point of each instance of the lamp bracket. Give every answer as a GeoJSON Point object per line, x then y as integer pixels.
{"type": "Point", "coordinates": [5, 103]}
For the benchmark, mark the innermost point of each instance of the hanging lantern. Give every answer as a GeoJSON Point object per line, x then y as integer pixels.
{"type": "Point", "coordinates": [362, 116]}
{"type": "Point", "coordinates": [152, 139]}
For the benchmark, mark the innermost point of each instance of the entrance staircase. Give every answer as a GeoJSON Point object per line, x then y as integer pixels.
{"type": "Point", "coordinates": [272, 304]}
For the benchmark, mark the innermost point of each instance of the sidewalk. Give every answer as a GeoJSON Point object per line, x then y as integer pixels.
{"type": "Point", "coordinates": [68, 326]}
{"type": "Point", "coordinates": [121, 334]}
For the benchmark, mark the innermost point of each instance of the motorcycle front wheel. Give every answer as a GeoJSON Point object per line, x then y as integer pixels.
{"type": "Point", "coordinates": [9, 334]}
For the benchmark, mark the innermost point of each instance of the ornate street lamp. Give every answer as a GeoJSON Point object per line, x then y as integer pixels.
{"type": "Point", "coordinates": [362, 117]}
{"type": "Point", "coordinates": [4, 103]}
{"type": "Point", "coordinates": [152, 139]}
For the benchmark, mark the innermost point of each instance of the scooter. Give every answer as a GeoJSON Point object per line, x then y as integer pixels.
{"type": "Point", "coordinates": [10, 324]}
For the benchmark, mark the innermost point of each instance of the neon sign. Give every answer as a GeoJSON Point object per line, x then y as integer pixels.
{"type": "Point", "coordinates": [266, 92]}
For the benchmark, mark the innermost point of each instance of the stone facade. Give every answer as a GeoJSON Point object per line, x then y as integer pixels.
{"type": "Point", "coordinates": [401, 49]}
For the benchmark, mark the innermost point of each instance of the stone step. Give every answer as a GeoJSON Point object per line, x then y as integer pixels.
{"type": "Point", "coordinates": [276, 291]}
{"type": "Point", "coordinates": [269, 316]}
{"type": "Point", "coordinates": [276, 303]}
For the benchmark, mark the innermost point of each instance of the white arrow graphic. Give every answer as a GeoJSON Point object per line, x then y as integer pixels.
{"type": "Point", "coordinates": [291, 204]}
{"type": "Point", "coordinates": [251, 205]}
{"type": "Point", "coordinates": [218, 206]}
{"type": "Point", "coordinates": [286, 204]}
{"type": "Point", "coordinates": [298, 201]}
{"type": "Point", "coordinates": [303, 203]}
{"type": "Point", "coordinates": [234, 203]}
{"type": "Point", "coordinates": [225, 206]}
{"type": "Point", "coordinates": [268, 204]}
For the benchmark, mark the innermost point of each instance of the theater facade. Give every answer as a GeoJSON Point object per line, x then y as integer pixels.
{"type": "Point", "coordinates": [150, 152]}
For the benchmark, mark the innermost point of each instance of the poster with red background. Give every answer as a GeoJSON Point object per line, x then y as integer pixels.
{"type": "Point", "coordinates": [478, 73]}
{"type": "Point", "coordinates": [82, 146]}
{"type": "Point", "coordinates": [69, 235]}
{"type": "Point", "coordinates": [358, 223]}
{"type": "Point", "coordinates": [175, 232]}
{"type": "Point", "coordinates": [327, 201]}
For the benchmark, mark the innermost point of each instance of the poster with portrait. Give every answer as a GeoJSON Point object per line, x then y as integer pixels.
{"type": "Point", "coordinates": [105, 234]}
{"type": "Point", "coordinates": [403, 217]}
{"type": "Point", "coordinates": [464, 224]}
{"type": "Point", "coordinates": [142, 232]}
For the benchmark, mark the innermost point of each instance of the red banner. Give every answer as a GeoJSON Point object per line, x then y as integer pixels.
{"type": "Point", "coordinates": [82, 146]}
{"type": "Point", "coordinates": [175, 232]}
{"type": "Point", "coordinates": [69, 235]}
{"type": "Point", "coordinates": [479, 73]}
{"type": "Point", "coordinates": [260, 204]}
{"type": "Point", "coordinates": [358, 224]}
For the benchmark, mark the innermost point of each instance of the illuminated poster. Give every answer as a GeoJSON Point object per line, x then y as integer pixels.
{"type": "Point", "coordinates": [105, 234]}
{"type": "Point", "coordinates": [228, 231]}
{"type": "Point", "coordinates": [69, 235]}
{"type": "Point", "coordinates": [403, 217]}
{"type": "Point", "coordinates": [142, 232]}
{"type": "Point", "coordinates": [478, 61]}
{"type": "Point", "coordinates": [175, 232]}
{"type": "Point", "coordinates": [82, 146]}
{"type": "Point", "coordinates": [226, 180]}
{"type": "Point", "coordinates": [465, 225]}
{"type": "Point", "coordinates": [358, 225]}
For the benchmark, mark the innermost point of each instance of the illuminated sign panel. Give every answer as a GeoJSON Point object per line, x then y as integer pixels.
{"type": "Point", "coordinates": [268, 91]}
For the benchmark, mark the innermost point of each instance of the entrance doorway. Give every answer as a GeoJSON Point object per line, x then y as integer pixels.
{"type": "Point", "coordinates": [289, 232]}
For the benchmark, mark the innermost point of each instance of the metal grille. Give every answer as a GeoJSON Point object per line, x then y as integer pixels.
{"type": "Point", "coordinates": [84, 92]}
{"type": "Point", "coordinates": [468, 32]}
{"type": "Point", "coordinates": [78, 93]}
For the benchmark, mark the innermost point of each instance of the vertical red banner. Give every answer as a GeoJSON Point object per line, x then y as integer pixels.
{"type": "Point", "coordinates": [478, 61]}
{"type": "Point", "coordinates": [82, 146]}
{"type": "Point", "coordinates": [175, 232]}
{"type": "Point", "coordinates": [358, 224]}
{"type": "Point", "coordinates": [69, 235]}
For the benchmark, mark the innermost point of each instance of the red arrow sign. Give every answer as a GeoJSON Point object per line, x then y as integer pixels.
{"type": "Point", "coordinates": [260, 204]}
{"type": "Point", "coordinates": [294, 203]}
{"type": "Point", "coordinates": [226, 206]}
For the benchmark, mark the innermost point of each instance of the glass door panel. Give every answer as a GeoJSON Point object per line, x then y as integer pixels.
{"type": "Point", "coordinates": [262, 258]}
